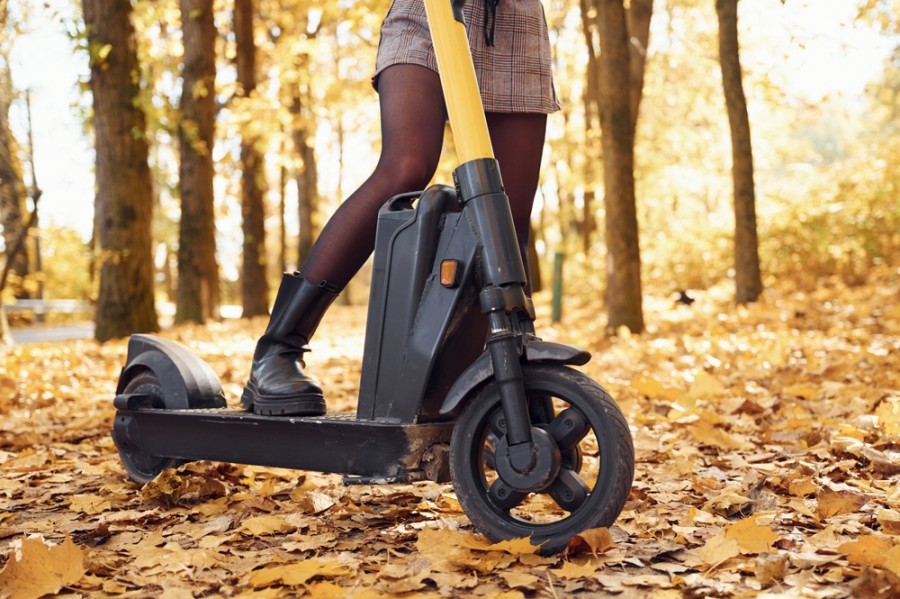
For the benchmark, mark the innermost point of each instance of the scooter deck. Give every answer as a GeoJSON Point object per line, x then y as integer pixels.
{"type": "Point", "coordinates": [336, 443]}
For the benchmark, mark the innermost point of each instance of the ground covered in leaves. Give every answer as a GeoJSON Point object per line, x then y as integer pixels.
{"type": "Point", "coordinates": [767, 442]}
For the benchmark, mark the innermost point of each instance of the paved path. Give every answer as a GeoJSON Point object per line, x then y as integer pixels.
{"type": "Point", "coordinates": [36, 334]}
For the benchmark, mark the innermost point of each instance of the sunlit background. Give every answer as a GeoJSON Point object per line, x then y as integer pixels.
{"type": "Point", "coordinates": [807, 65]}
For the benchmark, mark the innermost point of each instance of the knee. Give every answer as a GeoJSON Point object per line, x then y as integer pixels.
{"type": "Point", "coordinates": [408, 172]}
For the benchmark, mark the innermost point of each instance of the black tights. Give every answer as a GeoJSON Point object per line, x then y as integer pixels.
{"type": "Point", "coordinates": [412, 129]}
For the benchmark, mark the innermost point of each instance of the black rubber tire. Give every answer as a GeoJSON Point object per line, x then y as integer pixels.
{"type": "Point", "coordinates": [142, 467]}
{"type": "Point", "coordinates": [471, 466]}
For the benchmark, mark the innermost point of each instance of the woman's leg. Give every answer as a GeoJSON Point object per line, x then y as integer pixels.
{"type": "Point", "coordinates": [412, 122]}
{"type": "Point", "coordinates": [412, 128]}
{"type": "Point", "coordinates": [518, 141]}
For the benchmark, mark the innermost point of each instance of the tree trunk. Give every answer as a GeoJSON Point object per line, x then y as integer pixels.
{"type": "Point", "coordinates": [254, 285]}
{"type": "Point", "coordinates": [197, 298]}
{"type": "Point", "coordinates": [282, 224]}
{"type": "Point", "coordinates": [638, 21]}
{"type": "Point", "coordinates": [623, 252]}
{"type": "Point", "coordinates": [307, 176]}
{"type": "Point", "coordinates": [13, 194]}
{"type": "Point", "coordinates": [124, 202]}
{"type": "Point", "coordinates": [748, 283]}
{"type": "Point", "coordinates": [35, 194]}
{"type": "Point", "coordinates": [587, 225]}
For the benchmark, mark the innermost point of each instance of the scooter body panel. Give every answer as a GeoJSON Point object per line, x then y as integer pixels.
{"type": "Point", "coordinates": [335, 444]}
{"type": "Point", "coordinates": [420, 334]}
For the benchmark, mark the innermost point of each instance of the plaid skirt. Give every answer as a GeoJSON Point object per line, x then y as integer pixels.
{"type": "Point", "coordinates": [514, 73]}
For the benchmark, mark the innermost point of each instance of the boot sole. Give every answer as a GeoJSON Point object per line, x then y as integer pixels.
{"type": "Point", "coordinates": [282, 405]}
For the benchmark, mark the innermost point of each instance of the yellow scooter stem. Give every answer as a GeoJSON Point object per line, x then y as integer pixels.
{"type": "Point", "coordinates": [457, 71]}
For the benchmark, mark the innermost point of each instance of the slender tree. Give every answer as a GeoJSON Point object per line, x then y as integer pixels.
{"type": "Point", "coordinates": [748, 283]}
{"type": "Point", "coordinates": [34, 193]}
{"type": "Point", "coordinates": [197, 296]}
{"type": "Point", "coordinates": [124, 201]}
{"type": "Point", "coordinates": [589, 24]}
{"type": "Point", "coordinates": [303, 134]}
{"type": "Point", "coordinates": [13, 194]}
{"type": "Point", "coordinates": [637, 19]}
{"type": "Point", "coordinates": [254, 286]}
{"type": "Point", "coordinates": [614, 100]}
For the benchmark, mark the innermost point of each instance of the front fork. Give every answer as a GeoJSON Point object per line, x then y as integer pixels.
{"type": "Point", "coordinates": [504, 347]}
{"type": "Point", "coordinates": [502, 299]}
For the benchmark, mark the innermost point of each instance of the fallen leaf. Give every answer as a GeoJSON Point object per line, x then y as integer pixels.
{"type": "Point", "coordinates": [836, 503]}
{"type": "Point", "coordinates": [705, 386]}
{"type": "Point", "coordinates": [892, 560]}
{"type": "Point", "coordinates": [266, 525]}
{"type": "Point", "coordinates": [519, 579]}
{"type": "Point", "coordinates": [802, 487]}
{"type": "Point", "coordinates": [330, 590]}
{"type": "Point", "coordinates": [888, 413]}
{"type": "Point", "coordinates": [297, 574]}
{"type": "Point", "coordinates": [751, 537]}
{"type": "Point", "coordinates": [90, 504]}
{"type": "Point", "coordinates": [718, 549]}
{"type": "Point", "coordinates": [653, 389]}
{"type": "Point", "coordinates": [889, 520]}
{"type": "Point", "coordinates": [595, 540]}
{"type": "Point", "coordinates": [770, 568]}
{"type": "Point", "coordinates": [708, 433]}
{"type": "Point", "coordinates": [825, 539]}
{"type": "Point", "coordinates": [572, 570]}
{"type": "Point", "coordinates": [866, 551]}
{"type": "Point", "coordinates": [514, 546]}
{"type": "Point", "coordinates": [38, 569]}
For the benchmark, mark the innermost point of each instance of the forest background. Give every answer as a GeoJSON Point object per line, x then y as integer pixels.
{"type": "Point", "coordinates": [820, 80]}
{"type": "Point", "coordinates": [765, 433]}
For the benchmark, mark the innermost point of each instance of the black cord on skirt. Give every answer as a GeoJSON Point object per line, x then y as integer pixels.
{"type": "Point", "coordinates": [490, 20]}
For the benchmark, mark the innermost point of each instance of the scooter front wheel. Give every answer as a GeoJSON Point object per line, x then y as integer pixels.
{"type": "Point", "coordinates": [595, 468]}
{"type": "Point", "coordinates": [142, 467]}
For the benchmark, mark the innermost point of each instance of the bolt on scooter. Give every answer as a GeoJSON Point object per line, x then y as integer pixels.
{"type": "Point", "coordinates": [455, 385]}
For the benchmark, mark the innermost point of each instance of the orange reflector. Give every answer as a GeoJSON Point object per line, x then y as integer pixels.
{"type": "Point", "coordinates": [449, 269]}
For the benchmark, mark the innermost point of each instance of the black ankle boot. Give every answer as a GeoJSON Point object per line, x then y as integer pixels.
{"type": "Point", "coordinates": [278, 385]}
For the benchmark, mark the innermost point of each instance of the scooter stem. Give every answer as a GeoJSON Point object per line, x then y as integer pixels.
{"type": "Point", "coordinates": [481, 193]}
{"type": "Point", "coordinates": [454, 59]}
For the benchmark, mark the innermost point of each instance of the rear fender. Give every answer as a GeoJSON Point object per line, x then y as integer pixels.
{"type": "Point", "coordinates": [185, 379]}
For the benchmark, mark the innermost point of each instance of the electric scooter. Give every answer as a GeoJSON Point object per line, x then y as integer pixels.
{"type": "Point", "coordinates": [455, 385]}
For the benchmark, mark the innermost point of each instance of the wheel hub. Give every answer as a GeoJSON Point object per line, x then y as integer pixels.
{"type": "Point", "coordinates": [529, 473]}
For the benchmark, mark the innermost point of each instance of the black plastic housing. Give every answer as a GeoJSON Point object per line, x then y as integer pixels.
{"type": "Point", "coordinates": [420, 335]}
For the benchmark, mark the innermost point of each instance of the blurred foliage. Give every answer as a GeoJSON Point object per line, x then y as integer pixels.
{"type": "Point", "coordinates": [827, 163]}
{"type": "Point", "coordinates": [66, 261]}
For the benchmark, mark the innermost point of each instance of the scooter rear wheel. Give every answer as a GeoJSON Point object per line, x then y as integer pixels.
{"type": "Point", "coordinates": [142, 467]}
{"type": "Point", "coordinates": [596, 461]}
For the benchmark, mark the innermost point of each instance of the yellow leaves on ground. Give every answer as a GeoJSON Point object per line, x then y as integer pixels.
{"type": "Point", "coordinates": [751, 536]}
{"type": "Point", "coordinates": [836, 503]}
{"type": "Point", "coordinates": [745, 537]}
{"type": "Point", "coordinates": [888, 413]}
{"type": "Point", "coordinates": [449, 551]}
{"type": "Point", "coordinates": [597, 540]}
{"type": "Point", "coordinates": [719, 549]}
{"type": "Point", "coordinates": [766, 442]}
{"type": "Point", "coordinates": [889, 520]}
{"type": "Point", "coordinates": [38, 569]}
{"type": "Point", "coordinates": [298, 573]}
{"type": "Point", "coordinates": [266, 525]}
